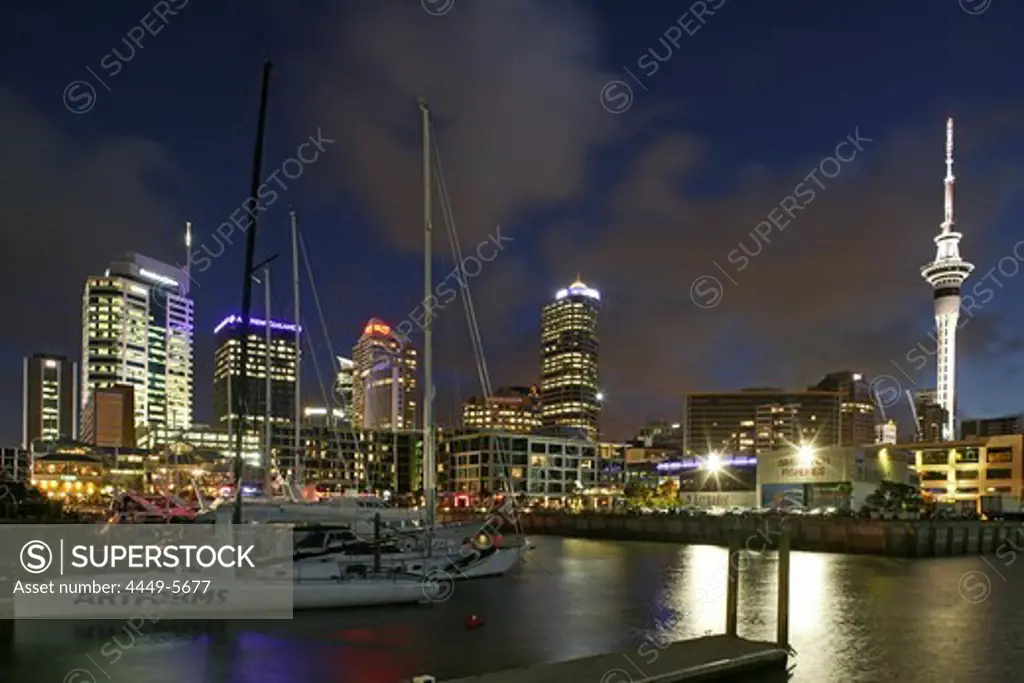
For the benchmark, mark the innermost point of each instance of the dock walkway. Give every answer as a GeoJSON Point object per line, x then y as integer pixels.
{"type": "Point", "coordinates": [711, 658]}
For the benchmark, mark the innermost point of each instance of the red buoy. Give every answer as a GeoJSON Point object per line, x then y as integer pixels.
{"type": "Point", "coordinates": [474, 622]}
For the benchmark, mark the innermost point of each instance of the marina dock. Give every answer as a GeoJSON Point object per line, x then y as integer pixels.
{"type": "Point", "coordinates": [712, 658]}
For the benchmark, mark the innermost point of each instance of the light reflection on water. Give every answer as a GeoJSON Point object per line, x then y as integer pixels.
{"type": "Point", "coordinates": [851, 619]}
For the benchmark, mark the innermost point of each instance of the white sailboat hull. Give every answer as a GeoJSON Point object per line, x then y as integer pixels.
{"type": "Point", "coordinates": [449, 565]}
{"type": "Point", "coordinates": [309, 595]}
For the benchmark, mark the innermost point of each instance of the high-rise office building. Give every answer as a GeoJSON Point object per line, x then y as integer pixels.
{"type": "Point", "coordinates": [137, 330]}
{"type": "Point", "coordinates": [570, 382]}
{"type": "Point", "coordinates": [344, 383]}
{"type": "Point", "coordinates": [946, 274]}
{"type": "Point", "coordinates": [886, 432]}
{"type": "Point", "coordinates": [752, 421]}
{"type": "Point", "coordinates": [384, 382]}
{"type": "Point", "coordinates": [49, 399]}
{"type": "Point", "coordinates": [508, 409]}
{"type": "Point", "coordinates": [227, 380]}
{"type": "Point", "coordinates": [857, 412]}
{"type": "Point", "coordinates": [931, 416]}
{"type": "Point", "coordinates": [108, 418]}
{"type": "Point", "coordinates": [992, 426]}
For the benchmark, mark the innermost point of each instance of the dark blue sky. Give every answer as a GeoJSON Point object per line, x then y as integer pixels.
{"type": "Point", "coordinates": [642, 201]}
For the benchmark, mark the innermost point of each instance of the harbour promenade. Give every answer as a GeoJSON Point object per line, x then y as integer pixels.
{"type": "Point", "coordinates": [820, 534]}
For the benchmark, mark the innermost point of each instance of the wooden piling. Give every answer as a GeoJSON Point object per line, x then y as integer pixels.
{"type": "Point", "coordinates": [732, 596]}
{"type": "Point", "coordinates": [782, 617]}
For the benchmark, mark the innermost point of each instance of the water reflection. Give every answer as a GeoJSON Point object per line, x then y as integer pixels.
{"type": "Point", "coordinates": [852, 619]}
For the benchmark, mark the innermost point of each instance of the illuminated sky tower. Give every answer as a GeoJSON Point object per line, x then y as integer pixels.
{"type": "Point", "coordinates": [946, 274]}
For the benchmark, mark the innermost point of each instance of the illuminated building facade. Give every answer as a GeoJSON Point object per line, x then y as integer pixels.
{"type": "Point", "coordinates": [946, 274]}
{"type": "Point", "coordinates": [752, 421]}
{"type": "Point", "coordinates": [839, 476]}
{"type": "Point", "coordinates": [49, 399]}
{"type": "Point", "coordinates": [227, 380]}
{"type": "Point", "coordinates": [857, 411]}
{"type": "Point", "coordinates": [384, 382]}
{"type": "Point", "coordinates": [366, 459]}
{"type": "Point", "coordinates": [344, 387]}
{"type": "Point", "coordinates": [886, 432]}
{"type": "Point", "coordinates": [570, 383]}
{"type": "Point", "coordinates": [508, 409]}
{"type": "Point", "coordinates": [137, 329]}
{"type": "Point", "coordinates": [546, 467]}
{"type": "Point", "coordinates": [965, 470]}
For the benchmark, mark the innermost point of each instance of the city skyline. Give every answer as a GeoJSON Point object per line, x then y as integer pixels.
{"type": "Point", "coordinates": [678, 182]}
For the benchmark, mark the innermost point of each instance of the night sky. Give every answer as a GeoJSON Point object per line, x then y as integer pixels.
{"type": "Point", "coordinates": [642, 201]}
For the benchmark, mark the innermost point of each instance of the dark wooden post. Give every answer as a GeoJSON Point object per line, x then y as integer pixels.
{"type": "Point", "coordinates": [782, 625]}
{"type": "Point", "coordinates": [732, 595]}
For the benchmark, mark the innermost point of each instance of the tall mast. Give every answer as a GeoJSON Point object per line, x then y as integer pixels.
{"type": "Point", "coordinates": [297, 457]}
{"type": "Point", "coordinates": [243, 327]}
{"type": "Point", "coordinates": [267, 391]}
{"type": "Point", "coordinates": [429, 459]}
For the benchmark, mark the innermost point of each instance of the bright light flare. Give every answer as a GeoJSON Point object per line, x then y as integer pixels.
{"type": "Point", "coordinates": [806, 455]}
{"type": "Point", "coordinates": [713, 464]}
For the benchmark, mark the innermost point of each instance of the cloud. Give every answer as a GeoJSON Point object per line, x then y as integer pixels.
{"type": "Point", "coordinates": [514, 90]}
{"type": "Point", "coordinates": [839, 287]}
{"type": "Point", "coordinates": [67, 208]}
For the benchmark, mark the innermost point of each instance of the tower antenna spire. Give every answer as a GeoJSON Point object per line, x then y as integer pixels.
{"type": "Point", "coordinates": [947, 223]}
{"type": "Point", "coordinates": [946, 274]}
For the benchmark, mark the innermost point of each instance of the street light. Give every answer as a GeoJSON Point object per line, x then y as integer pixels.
{"type": "Point", "coordinates": [713, 464]}
{"type": "Point", "coordinates": [600, 396]}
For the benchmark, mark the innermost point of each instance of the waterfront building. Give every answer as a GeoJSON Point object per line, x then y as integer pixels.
{"type": "Point", "coordinates": [856, 411]}
{"type": "Point", "coordinates": [946, 274]}
{"type": "Point", "coordinates": [838, 476]}
{"type": "Point", "coordinates": [137, 330]}
{"type": "Point", "coordinates": [513, 409]}
{"type": "Point", "coordinates": [384, 383]}
{"type": "Point", "coordinates": [547, 468]}
{"type": "Point", "coordinates": [278, 355]}
{"type": "Point", "coordinates": [757, 420]}
{"type": "Point", "coordinates": [992, 426]}
{"type": "Point", "coordinates": [70, 476]}
{"type": "Point", "coordinates": [376, 460]}
{"type": "Point", "coordinates": [49, 401]}
{"type": "Point", "coordinates": [109, 418]}
{"type": "Point", "coordinates": [200, 437]}
{"type": "Point", "coordinates": [964, 470]}
{"type": "Point", "coordinates": [611, 464]}
{"type": "Point", "coordinates": [570, 381]}
{"type": "Point", "coordinates": [886, 432]}
{"type": "Point", "coordinates": [702, 481]}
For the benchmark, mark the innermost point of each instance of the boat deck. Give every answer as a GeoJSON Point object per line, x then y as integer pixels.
{"type": "Point", "coordinates": [705, 659]}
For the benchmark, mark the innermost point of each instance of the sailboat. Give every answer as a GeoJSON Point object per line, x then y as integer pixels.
{"type": "Point", "coordinates": [457, 553]}
{"type": "Point", "coordinates": [326, 584]}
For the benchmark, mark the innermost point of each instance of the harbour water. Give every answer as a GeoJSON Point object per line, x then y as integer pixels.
{"type": "Point", "coordinates": [853, 618]}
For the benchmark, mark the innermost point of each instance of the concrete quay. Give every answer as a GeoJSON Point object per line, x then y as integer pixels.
{"type": "Point", "coordinates": [923, 538]}
{"type": "Point", "coordinates": [712, 658]}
